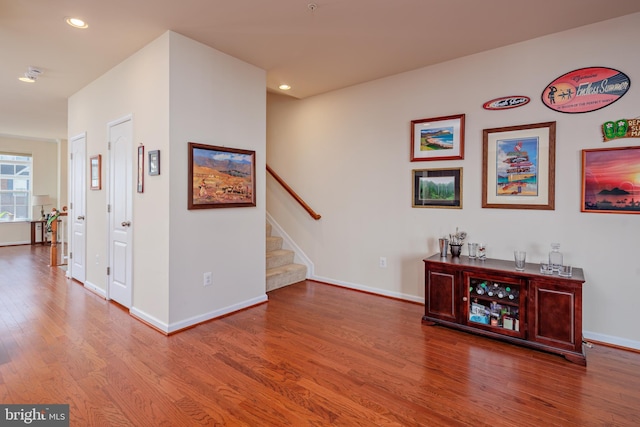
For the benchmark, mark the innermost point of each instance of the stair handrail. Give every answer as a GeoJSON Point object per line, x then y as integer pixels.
{"type": "Point", "coordinates": [293, 194]}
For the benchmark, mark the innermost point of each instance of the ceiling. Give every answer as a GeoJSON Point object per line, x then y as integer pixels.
{"type": "Point", "coordinates": [337, 44]}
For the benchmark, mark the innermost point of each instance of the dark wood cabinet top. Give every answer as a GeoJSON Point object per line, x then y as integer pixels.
{"type": "Point", "coordinates": [532, 270]}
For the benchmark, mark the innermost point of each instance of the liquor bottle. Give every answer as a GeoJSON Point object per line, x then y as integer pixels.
{"type": "Point", "coordinates": [555, 257]}
{"type": "Point", "coordinates": [491, 291]}
{"type": "Point", "coordinates": [512, 293]}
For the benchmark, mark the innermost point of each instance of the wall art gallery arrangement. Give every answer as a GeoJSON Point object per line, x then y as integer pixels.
{"type": "Point", "coordinates": [518, 162]}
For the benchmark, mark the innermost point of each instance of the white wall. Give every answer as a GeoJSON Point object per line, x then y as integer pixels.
{"type": "Point", "coordinates": [216, 100]}
{"type": "Point", "coordinates": [45, 179]}
{"type": "Point", "coordinates": [179, 91]}
{"type": "Point", "coordinates": [347, 154]}
{"type": "Point", "coordinates": [138, 86]}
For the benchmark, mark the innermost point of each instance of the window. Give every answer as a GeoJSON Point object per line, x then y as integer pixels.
{"type": "Point", "coordinates": [15, 187]}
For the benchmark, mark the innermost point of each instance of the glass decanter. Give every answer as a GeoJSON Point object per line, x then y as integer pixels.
{"type": "Point", "coordinates": [555, 257]}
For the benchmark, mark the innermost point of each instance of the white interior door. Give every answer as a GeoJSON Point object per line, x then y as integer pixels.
{"type": "Point", "coordinates": [121, 211]}
{"type": "Point", "coordinates": [77, 212]}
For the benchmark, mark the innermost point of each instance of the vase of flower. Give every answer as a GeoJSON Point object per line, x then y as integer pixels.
{"type": "Point", "coordinates": [455, 250]}
{"type": "Point", "coordinates": [456, 241]}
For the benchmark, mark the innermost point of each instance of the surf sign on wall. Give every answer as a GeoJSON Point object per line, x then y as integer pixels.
{"type": "Point", "coordinates": [506, 102]}
{"type": "Point", "coordinates": [585, 90]}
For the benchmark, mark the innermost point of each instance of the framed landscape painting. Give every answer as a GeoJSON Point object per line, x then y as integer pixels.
{"type": "Point", "coordinates": [221, 177]}
{"type": "Point", "coordinates": [439, 138]}
{"type": "Point", "coordinates": [611, 180]}
{"type": "Point", "coordinates": [437, 188]}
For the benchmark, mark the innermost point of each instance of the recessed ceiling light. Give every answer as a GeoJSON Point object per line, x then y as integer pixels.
{"type": "Point", "coordinates": [31, 75]}
{"type": "Point", "coordinates": [76, 22]}
{"type": "Point", "coordinates": [284, 87]}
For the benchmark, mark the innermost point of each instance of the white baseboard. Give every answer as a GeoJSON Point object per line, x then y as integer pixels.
{"type": "Point", "coordinates": [26, 242]}
{"type": "Point", "coordinates": [376, 291]}
{"type": "Point", "coordinates": [608, 339]}
{"type": "Point", "coordinates": [176, 326]}
{"type": "Point", "coordinates": [95, 289]}
{"type": "Point", "coordinates": [157, 323]}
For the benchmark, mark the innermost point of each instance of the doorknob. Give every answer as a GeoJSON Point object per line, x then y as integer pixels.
{"type": "Point", "coordinates": [81, 218]}
{"type": "Point", "coordinates": [126, 224]}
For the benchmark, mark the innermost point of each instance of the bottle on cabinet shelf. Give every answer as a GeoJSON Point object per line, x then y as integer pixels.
{"type": "Point", "coordinates": [481, 288]}
{"type": "Point", "coordinates": [555, 257]}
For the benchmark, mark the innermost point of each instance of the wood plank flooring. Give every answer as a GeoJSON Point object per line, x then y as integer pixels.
{"type": "Point", "coordinates": [314, 355]}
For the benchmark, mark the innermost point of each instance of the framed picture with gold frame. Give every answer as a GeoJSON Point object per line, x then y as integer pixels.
{"type": "Point", "coordinates": [140, 186]}
{"type": "Point", "coordinates": [437, 188]}
{"type": "Point", "coordinates": [518, 168]}
{"type": "Point", "coordinates": [95, 166]}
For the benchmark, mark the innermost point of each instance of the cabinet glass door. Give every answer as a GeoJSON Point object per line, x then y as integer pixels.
{"type": "Point", "coordinates": [495, 305]}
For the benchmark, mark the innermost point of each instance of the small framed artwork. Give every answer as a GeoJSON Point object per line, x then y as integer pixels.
{"type": "Point", "coordinates": [611, 180]}
{"type": "Point", "coordinates": [439, 138]}
{"type": "Point", "coordinates": [154, 162]}
{"type": "Point", "coordinates": [95, 163]}
{"type": "Point", "coordinates": [518, 169]}
{"type": "Point", "coordinates": [221, 177]}
{"type": "Point", "coordinates": [437, 188]}
{"type": "Point", "coordinates": [140, 168]}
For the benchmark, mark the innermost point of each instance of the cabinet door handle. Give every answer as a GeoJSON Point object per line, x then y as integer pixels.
{"type": "Point", "coordinates": [80, 218]}
{"type": "Point", "coordinates": [126, 224]}
{"type": "Point", "coordinates": [464, 298]}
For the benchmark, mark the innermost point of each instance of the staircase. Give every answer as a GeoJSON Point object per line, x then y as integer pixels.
{"type": "Point", "coordinates": [281, 271]}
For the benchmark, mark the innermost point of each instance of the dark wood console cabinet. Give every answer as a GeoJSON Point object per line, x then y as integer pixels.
{"type": "Point", "coordinates": [490, 298]}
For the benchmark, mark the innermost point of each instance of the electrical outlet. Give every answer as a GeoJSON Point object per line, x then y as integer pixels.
{"type": "Point", "coordinates": [207, 278]}
{"type": "Point", "coordinates": [383, 262]}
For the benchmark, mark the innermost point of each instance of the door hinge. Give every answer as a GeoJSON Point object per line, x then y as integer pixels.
{"type": "Point", "coordinates": [109, 145]}
{"type": "Point", "coordinates": [71, 205]}
{"type": "Point", "coordinates": [71, 155]}
{"type": "Point", "coordinates": [108, 271]}
{"type": "Point", "coordinates": [70, 255]}
{"type": "Point", "coordinates": [108, 208]}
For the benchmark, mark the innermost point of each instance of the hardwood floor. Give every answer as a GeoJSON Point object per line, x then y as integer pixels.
{"type": "Point", "coordinates": [314, 355]}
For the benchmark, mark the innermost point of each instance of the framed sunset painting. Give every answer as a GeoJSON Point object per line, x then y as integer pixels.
{"type": "Point", "coordinates": [611, 180]}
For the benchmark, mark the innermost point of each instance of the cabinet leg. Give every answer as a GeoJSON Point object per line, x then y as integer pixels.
{"type": "Point", "coordinates": [427, 322]}
{"type": "Point", "coordinates": [576, 358]}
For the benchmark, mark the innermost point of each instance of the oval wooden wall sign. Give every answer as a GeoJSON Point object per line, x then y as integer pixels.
{"type": "Point", "coordinates": [506, 102]}
{"type": "Point", "coordinates": [585, 90]}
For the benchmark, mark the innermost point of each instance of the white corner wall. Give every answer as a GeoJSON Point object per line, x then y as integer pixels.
{"type": "Point", "coordinates": [177, 91]}
{"type": "Point", "coordinates": [216, 100]}
{"type": "Point", "coordinates": [347, 154]}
